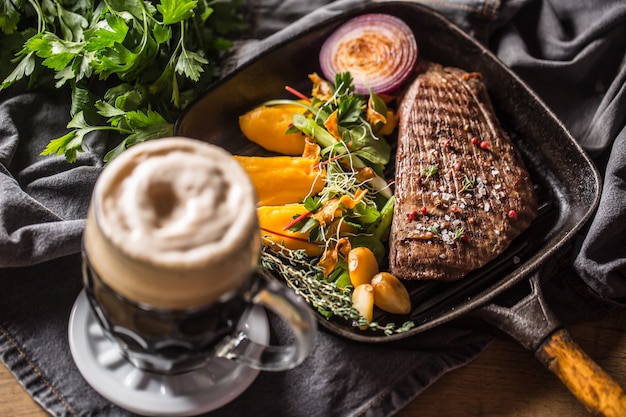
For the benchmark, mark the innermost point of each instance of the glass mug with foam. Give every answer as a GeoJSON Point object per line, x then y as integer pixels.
{"type": "Point", "coordinates": [170, 252]}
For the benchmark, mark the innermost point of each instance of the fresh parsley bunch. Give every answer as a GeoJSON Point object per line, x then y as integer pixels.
{"type": "Point", "coordinates": [131, 65]}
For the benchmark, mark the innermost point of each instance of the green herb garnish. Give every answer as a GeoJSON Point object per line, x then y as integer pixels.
{"type": "Point", "coordinates": [350, 146]}
{"type": "Point", "coordinates": [429, 171]}
{"type": "Point", "coordinates": [468, 183]}
{"type": "Point", "coordinates": [131, 65]}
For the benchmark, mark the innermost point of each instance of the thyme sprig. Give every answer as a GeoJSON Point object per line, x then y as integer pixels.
{"type": "Point", "coordinates": [306, 280]}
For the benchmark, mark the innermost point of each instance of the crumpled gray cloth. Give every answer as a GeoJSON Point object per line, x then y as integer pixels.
{"type": "Point", "coordinates": [571, 52]}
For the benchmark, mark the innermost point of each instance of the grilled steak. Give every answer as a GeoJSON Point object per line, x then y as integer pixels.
{"type": "Point", "coordinates": [462, 191]}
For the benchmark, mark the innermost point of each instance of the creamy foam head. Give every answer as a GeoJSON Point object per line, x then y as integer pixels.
{"type": "Point", "coordinates": [173, 223]}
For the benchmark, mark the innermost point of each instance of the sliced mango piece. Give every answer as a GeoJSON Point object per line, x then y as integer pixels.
{"type": "Point", "coordinates": [274, 219]}
{"type": "Point", "coordinates": [267, 126]}
{"type": "Point", "coordinates": [282, 180]}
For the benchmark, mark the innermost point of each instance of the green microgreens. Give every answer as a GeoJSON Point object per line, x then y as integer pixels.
{"type": "Point", "coordinates": [348, 104]}
{"type": "Point", "coordinates": [357, 137]}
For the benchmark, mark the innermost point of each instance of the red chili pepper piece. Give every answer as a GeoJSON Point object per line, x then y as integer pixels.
{"type": "Point", "coordinates": [297, 93]}
{"type": "Point", "coordinates": [298, 220]}
{"type": "Point", "coordinates": [424, 210]}
{"type": "Point", "coordinates": [411, 216]}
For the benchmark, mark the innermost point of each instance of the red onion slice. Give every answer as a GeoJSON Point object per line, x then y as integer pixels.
{"type": "Point", "coordinates": [379, 51]}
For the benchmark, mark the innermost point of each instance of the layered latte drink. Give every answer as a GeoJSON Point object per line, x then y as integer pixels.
{"type": "Point", "coordinates": [169, 248]}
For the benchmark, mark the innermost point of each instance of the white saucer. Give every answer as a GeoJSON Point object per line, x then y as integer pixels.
{"type": "Point", "coordinates": [147, 393]}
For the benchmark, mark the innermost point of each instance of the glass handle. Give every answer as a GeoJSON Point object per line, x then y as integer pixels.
{"type": "Point", "coordinates": [283, 302]}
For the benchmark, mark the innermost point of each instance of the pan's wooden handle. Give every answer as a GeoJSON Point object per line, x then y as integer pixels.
{"type": "Point", "coordinates": [591, 385]}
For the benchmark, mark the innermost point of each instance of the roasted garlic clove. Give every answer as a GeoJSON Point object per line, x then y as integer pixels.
{"type": "Point", "coordinates": [363, 302]}
{"type": "Point", "coordinates": [390, 294]}
{"type": "Point", "coordinates": [362, 266]}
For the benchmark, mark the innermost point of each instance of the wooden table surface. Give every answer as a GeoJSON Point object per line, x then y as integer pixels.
{"type": "Point", "coordinates": [503, 381]}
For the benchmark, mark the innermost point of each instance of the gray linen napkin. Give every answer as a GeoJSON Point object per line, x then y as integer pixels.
{"type": "Point", "coordinates": [562, 48]}
{"type": "Point", "coordinates": [573, 54]}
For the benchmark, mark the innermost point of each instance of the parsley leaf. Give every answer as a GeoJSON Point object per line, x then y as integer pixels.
{"type": "Point", "coordinates": [24, 68]}
{"type": "Point", "coordinates": [190, 64]}
{"type": "Point", "coordinates": [9, 17]}
{"type": "Point", "coordinates": [70, 143]}
{"type": "Point", "coordinates": [176, 11]}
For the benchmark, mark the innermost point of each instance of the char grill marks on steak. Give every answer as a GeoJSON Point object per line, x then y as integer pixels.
{"type": "Point", "coordinates": [462, 190]}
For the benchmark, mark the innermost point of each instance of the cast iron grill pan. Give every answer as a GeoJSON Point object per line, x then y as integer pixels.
{"type": "Point", "coordinates": [566, 182]}
{"type": "Point", "coordinates": [290, 58]}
